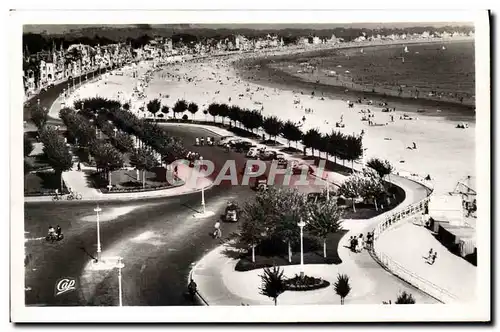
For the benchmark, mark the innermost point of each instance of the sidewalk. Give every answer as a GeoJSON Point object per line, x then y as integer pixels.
{"type": "Point", "coordinates": [219, 284]}
{"type": "Point", "coordinates": [449, 272]}
{"type": "Point", "coordinates": [77, 181]}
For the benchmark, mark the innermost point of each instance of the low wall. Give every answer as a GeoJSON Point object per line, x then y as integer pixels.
{"type": "Point", "coordinates": [392, 220]}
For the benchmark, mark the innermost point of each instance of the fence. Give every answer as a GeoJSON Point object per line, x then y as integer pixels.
{"type": "Point", "coordinates": [391, 220]}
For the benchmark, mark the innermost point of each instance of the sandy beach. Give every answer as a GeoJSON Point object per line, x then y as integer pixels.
{"type": "Point", "coordinates": [444, 152]}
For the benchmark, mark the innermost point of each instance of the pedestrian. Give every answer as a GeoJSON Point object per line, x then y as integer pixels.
{"type": "Point", "coordinates": [354, 243]}
{"type": "Point", "coordinates": [175, 170]}
{"type": "Point", "coordinates": [433, 258]}
{"type": "Point", "coordinates": [429, 255]}
{"type": "Point", "coordinates": [79, 167]}
{"type": "Point", "coordinates": [360, 244]}
{"type": "Point", "coordinates": [217, 231]}
{"type": "Point", "coordinates": [369, 239]}
{"type": "Point", "coordinates": [414, 146]}
{"type": "Point", "coordinates": [192, 288]}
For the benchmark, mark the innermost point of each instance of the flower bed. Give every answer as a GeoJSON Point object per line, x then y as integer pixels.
{"type": "Point", "coordinates": [130, 190]}
{"type": "Point", "coordinates": [305, 284]}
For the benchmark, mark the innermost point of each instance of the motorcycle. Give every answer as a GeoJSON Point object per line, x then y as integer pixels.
{"type": "Point", "coordinates": [54, 237]}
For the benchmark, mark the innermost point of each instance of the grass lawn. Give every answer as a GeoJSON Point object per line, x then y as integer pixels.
{"type": "Point", "coordinates": [275, 252]}
{"type": "Point", "coordinates": [124, 180]}
{"type": "Point", "coordinates": [41, 183]}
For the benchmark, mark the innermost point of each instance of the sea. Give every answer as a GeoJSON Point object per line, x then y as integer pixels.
{"type": "Point", "coordinates": [431, 78]}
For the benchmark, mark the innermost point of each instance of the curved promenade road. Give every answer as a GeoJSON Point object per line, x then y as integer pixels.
{"type": "Point", "coordinates": [215, 269]}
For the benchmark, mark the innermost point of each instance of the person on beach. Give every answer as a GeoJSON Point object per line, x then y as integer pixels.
{"type": "Point", "coordinates": [433, 258]}
{"type": "Point", "coordinates": [361, 244]}
{"type": "Point", "coordinates": [429, 255]}
{"type": "Point", "coordinates": [79, 167]}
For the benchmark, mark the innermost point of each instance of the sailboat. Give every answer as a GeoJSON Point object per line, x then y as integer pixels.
{"type": "Point", "coordinates": [406, 49]}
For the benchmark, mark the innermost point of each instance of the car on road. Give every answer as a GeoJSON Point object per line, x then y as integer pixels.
{"type": "Point", "coordinates": [231, 213]}
{"type": "Point", "coordinates": [260, 183]}
{"type": "Point", "coordinates": [243, 146]}
{"type": "Point", "coordinates": [299, 168]}
{"type": "Point", "coordinates": [267, 155]}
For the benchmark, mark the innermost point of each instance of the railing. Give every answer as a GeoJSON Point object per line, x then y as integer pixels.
{"type": "Point", "coordinates": [391, 220]}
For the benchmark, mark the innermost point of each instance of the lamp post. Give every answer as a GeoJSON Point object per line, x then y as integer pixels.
{"type": "Point", "coordinates": [97, 210]}
{"type": "Point", "coordinates": [202, 193]}
{"type": "Point", "coordinates": [301, 225]}
{"type": "Point", "coordinates": [327, 187]}
{"type": "Point", "coordinates": [120, 266]}
{"type": "Point", "coordinates": [115, 130]}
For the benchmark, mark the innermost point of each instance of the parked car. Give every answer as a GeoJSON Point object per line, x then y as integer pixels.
{"type": "Point", "coordinates": [253, 152]}
{"type": "Point", "coordinates": [224, 140]}
{"type": "Point", "coordinates": [301, 168]}
{"type": "Point", "coordinates": [282, 162]}
{"type": "Point", "coordinates": [267, 155]}
{"type": "Point", "coordinates": [231, 213]}
{"type": "Point", "coordinates": [243, 146]}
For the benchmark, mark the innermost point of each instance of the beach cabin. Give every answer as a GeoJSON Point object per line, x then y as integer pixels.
{"type": "Point", "coordinates": [449, 224]}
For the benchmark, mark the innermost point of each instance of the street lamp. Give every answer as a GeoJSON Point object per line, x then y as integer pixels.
{"type": "Point", "coordinates": [115, 130]}
{"type": "Point", "coordinates": [120, 266]}
{"type": "Point", "coordinates": [97, 210]}
{"type": "Point", "coordinates": [327, 187]}
{"type": "Point", "coordinates": [301, 225]}
{"type": "Point", "coordinates": [202, 194]}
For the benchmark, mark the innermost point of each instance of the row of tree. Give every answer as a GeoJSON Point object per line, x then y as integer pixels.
{"type": "Point", "coordinates": [336, 144]}
{"type": "Point", "coordinates": [153, 136]}
{"type": "Point", "coordinates": [181, 106]}
{"type": "Point", "coordinates": [57, 153]}
{"type": "Point", "coordinates": [275, 213]}
{"type": "Point", "coordinates": [107, 157]}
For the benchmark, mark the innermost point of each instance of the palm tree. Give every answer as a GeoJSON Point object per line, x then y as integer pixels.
{"type": "Point", "coordinates": [324, 220]}
{"type": "Point", "coordinates": [193, 108]}
{"type": "Point", "coordinates": [273, 283]}
{"type": "Point", "coordinates": [405, 298]}
{"type": "Point", "coordinates": [342, 287]}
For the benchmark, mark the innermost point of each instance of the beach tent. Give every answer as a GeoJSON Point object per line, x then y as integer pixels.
{"type": "Point", "coordinates": [447, 208]}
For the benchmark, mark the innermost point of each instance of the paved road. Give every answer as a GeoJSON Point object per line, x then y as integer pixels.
{"type": "Point", "coordinates": [158, 242]}
{"type": "Point", "coordinates": [49, 96]}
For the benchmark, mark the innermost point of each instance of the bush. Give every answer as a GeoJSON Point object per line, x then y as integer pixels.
{"type": "Point", "coordinates": [185, 117]}
{"type": "Point", "coordinates": [306, 283]}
